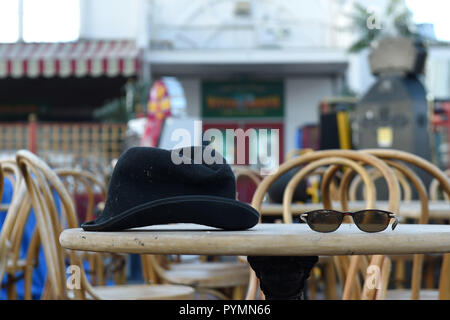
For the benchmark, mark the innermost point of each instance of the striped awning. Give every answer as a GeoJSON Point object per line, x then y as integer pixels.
{"type": "Point", "coordinates": [93, 58]}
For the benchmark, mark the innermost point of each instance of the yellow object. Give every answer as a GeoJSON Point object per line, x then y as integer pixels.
{"type": "Point", "coordinates": [344, 130]}
{"type": "Point", "coordinates": [385, 136]}
{"type": "Point", "coordinates": [313, 190]}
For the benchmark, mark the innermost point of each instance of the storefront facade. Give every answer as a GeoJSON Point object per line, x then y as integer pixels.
{"type": "Point", "coordinates": [283, 96]}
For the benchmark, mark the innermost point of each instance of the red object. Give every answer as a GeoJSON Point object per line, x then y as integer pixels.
{"type": "Point", "coordinates": [245, 187]}
{"type": "Point", "coordinates": [440, 124]}
{"type": "Point", "coordinates": [81, 58]}
{"type": "Point", "coordinates": [81, 203]}
{"type": "Point", "coordinates": [32, 132]}
{"type": "Point", "coordinates": [157, 111]}
{"type": "Point", "coordinates": [152, 132]}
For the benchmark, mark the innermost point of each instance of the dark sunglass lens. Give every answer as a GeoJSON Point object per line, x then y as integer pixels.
{"type": "Point", "coordinates": [371, 220]}
{"type": "Point", "coordinates": [324, 220]}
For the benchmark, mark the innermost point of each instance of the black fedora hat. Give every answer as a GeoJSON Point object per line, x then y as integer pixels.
{"type": "Point", "coordinates": [150, 186]}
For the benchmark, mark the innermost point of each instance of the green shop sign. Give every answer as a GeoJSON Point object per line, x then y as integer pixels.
{"type": "Point", "coordinates": [242, 99]}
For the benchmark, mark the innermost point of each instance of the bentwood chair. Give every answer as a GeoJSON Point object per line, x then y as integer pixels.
{"type": "Point", "coordinates": [397, 159]}
{"type": "Point", "coordinates": [348, 268]}
{"type": "Point", "coordinates": [85, 186]}
{"type": "Point", "coordinates": [328, 176]}
{"type": "Point", "coordinates": [41, 182]}
{"type": "Point", "coordinates": [341, 262]}
{"type": "Point", "coordinates": [13, 264]}
{"type": "Point", "coordinates": [399, 261]}
{"type": "Point", "coordinates": [400, 158]}
{"type": "Point", "coordinates": [406, 175]}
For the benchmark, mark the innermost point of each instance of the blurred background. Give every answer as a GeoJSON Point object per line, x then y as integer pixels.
{"type": "Point", "coordinates": [76, 75]}
{"type": "Point", "coordinates": [83, 80]}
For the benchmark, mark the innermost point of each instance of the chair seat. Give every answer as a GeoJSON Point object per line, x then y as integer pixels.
{"type": "Point", "coordinates": [209, 274]}
{"type": "Point", "coordinates": [206, 266]}
{"type": "Point", "coordinates": [145, 292]}
{"type": "Point", "coordinates": [405, 294]}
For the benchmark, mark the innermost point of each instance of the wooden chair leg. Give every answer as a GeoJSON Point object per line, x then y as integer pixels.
{"type": "Point", "coordinates": [329, 276]}
{"type": "Point", "coordinates": [238, 293]}
{"type": "Point", "coordinates": [312, 285]}
{"type": "Point", "coordinates": [145, 269]}
{"type": "Point", "coordinates": [399, 274]}
{"type": "Point", "coordinates": [385, 273]}
{"type": "Point", "coordinates": [99, 270]}
{"type": "Point", "coordinates": [444, 281]}
{"type": "Point", "coordinates": [46, 292]}
{"type": "Point", "coordinates": [253, 286]}
{"type": "Point", "coordinates": [351, 289]}
{"type": "Point", "coordinates": [416, 282]}
{"type": "Point", "coordinates": [11, 287]}
{"type": "Point", "coordinates": [429, 272]}
{"type": "Point", "coordinates": [91, 261]}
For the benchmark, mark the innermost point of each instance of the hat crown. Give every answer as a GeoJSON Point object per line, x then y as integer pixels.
{"type": "Point", "coordinates": [144, 174]}
{"type": "Point", "coordinates": [147, 164]}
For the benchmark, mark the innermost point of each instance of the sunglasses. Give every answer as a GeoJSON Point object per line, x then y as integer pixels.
{"type": "Point", "coordinates": [369, 220]}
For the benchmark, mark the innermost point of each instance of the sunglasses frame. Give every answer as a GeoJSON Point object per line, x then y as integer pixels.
{"type": "Point", "coordinates": [304, 218]}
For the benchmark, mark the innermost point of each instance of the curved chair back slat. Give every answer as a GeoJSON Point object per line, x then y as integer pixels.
{"type": "Point", "coordinates": [375, 175]}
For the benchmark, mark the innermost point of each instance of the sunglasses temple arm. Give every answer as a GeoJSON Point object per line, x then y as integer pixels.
{"type": "Point", "coordinates": [395, 221]}
{"type": "Point", "coordinates": [303, 217]}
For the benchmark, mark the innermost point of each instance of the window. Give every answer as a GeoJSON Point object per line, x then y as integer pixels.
{"type": "Point", "coordinates": [39, 20]}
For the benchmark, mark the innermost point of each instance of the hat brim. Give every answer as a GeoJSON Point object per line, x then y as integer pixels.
{"type": "Point", "coordinates": [217, 212]}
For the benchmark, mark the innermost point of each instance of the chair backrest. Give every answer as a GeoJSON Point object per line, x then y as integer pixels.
{"type": "Point", "coordinates": [89, 182]}
{"type": "Point", "coordinates": [434, 188]}
{"type": "Point", "coordinates": [247, 173]}
{"type": "Point", "coordinates": [375, 175]}
{"type": "Point", "coordinates": [393, 186]}
{"type": "Point", "coordinates": [40, 181]}
{"type": "Point", "coordinates": [244, 171]}
{"type": "Point", "coordinates": [414, 160]}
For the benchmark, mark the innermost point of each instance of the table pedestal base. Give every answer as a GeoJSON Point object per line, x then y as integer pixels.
{"type": "Point", "coordinates": [282, 278]}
